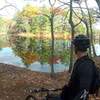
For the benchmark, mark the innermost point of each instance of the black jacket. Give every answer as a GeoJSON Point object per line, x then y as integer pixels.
{"type": "Point", "coordinates": [82, 76]}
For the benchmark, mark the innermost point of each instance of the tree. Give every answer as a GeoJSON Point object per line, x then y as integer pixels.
{"type": "Point", "coordinates": [87, 19]}
{"type": "Point", "coordinates": [91, 31]}
{"type": "Point", "coordinates": [4, 23]}
{"type": "Point", "coordinates": [54, 11]}
{"type": "Point", "coordinates": [98, 3]}
{"type": "Point", "coordinates": [55, 19]}
{"type": "Point", "coordinates": [29, 12]}
{"type": "Point", "coordinates": [73, 25]}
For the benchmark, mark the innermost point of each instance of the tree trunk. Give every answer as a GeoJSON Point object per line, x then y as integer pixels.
{"type": "Point", "coordinates": [84, 20]}
{"type": "Point", "coordinates": [98, 3]}
{"type": "Point", "coordinates": [87, 32]}
{"type": "Point", "coordinates": [52, 50]}
{"type": "Point", "coordinates": [91, 31]}
{"type": "Point", "coordinates": [99, 39]}
{"type": "Point", "coordinates": [72, 35]}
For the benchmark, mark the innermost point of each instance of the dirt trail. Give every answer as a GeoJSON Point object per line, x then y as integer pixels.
{"type": "Point", "coordinates": [15, 82]}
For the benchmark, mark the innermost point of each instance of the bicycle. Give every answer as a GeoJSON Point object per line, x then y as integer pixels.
{"type": "Point", "coordinates": [47, 95]}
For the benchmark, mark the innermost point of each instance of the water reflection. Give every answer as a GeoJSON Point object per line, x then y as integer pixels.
{"type": "Point", "coordinates": [7, 56]}
{"type": "Point", "coordinates": [97, 48]}
{"type": "Point", "coordinates": [35, 54]}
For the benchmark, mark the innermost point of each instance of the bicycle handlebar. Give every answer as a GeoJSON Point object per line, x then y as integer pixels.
{"type": "Point", "coordinates": [45, 90]}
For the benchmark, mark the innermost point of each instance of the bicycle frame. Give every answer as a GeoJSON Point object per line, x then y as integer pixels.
{"type": "Point", "coordinates": [48, 96]}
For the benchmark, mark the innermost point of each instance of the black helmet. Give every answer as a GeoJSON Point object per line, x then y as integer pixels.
{"type": "Point", "coordinates": [81, 42]}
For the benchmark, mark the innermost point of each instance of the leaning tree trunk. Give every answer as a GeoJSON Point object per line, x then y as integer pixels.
{"type": "Point", "coordinates": [84, 20]}
{"type": "Point", "coordinates": [87, 32]}
{"type": "Point", "coordinates": [72, 35]}
{"type": "Point", "coordinates": [98, 3]}
{"type": "Point", "coordinates": [91, 31]}
{"type": "Point", "coordinates": [52, 50]}
{"type": "Point", "coordinates": [99, 39]}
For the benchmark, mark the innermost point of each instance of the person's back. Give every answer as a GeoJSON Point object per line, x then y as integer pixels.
{"type": "Point", "coordinates": [83, 73]}
{"type": "Point", "coordinates": [82, 77]}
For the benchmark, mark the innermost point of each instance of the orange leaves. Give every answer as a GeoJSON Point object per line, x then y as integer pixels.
{"type": "Point", "coordinates": [54, 60]}
{"type": "Point", "coordinates": [57, 11]}
{"type": "Point", "coordinates": [29, 57]}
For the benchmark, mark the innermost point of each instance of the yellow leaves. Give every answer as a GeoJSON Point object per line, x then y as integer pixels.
{"type": "Point", "coordinates": [29, 11]}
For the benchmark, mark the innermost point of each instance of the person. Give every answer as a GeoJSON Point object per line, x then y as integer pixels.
{"type": "Point", "coordinates": [83, 74]}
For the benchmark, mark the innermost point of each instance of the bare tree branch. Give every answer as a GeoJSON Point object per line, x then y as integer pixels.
{"type": "Point", "coordinates": [52, 4]}
{"type": "Point", "coordinates": [12, 4]}
{"type": "Point", "coordinates": [66, 15]}
{"type": "Point", "coordinates": [72, 34]}
{"type": "Point", "coordinates": [91, 30]}
{"type": "Point", "coordinates": [65, 3]}
{"type": "Point", "coordinates": [6, 6]}
{"type": "Point", "coordinates": [77, 23]}
{"type": "Point", "coordinates": [98, 3]}
{"type": "Point", "coordinates": [81, 19]}
{"type": "Point", "coordinates": [60, 6]}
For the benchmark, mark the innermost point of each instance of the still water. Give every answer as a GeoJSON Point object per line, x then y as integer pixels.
{"type": "Point", "coordinates": [34, 54]}
{"type": "Point", "coordinates": [9, 57]}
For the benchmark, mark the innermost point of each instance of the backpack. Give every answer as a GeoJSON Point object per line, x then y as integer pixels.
{"type": "Point", "coordinates": [96, 82]}
{"type": "Point", "coordinates": [98, 76]}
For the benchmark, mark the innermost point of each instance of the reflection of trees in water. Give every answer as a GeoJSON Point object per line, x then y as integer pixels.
{"type": "Point", "coordinates": [3, 41]}
{"type": "Point", "coordinates": [0, 49]}
{"type": "Point", "coordinates": [25, 49]}
{"type": "Point", "coordinates": [31, 50]}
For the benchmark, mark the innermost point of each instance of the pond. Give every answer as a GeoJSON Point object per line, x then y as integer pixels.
{"type": "Point", "coordinates": [34, 54]}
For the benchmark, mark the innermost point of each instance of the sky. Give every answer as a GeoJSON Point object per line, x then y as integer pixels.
{"type": "Point", "coordinates": [10, 11]}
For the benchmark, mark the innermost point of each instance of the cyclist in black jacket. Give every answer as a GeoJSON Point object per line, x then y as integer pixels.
{"type": "Point", "coordinates": [83, 74]}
